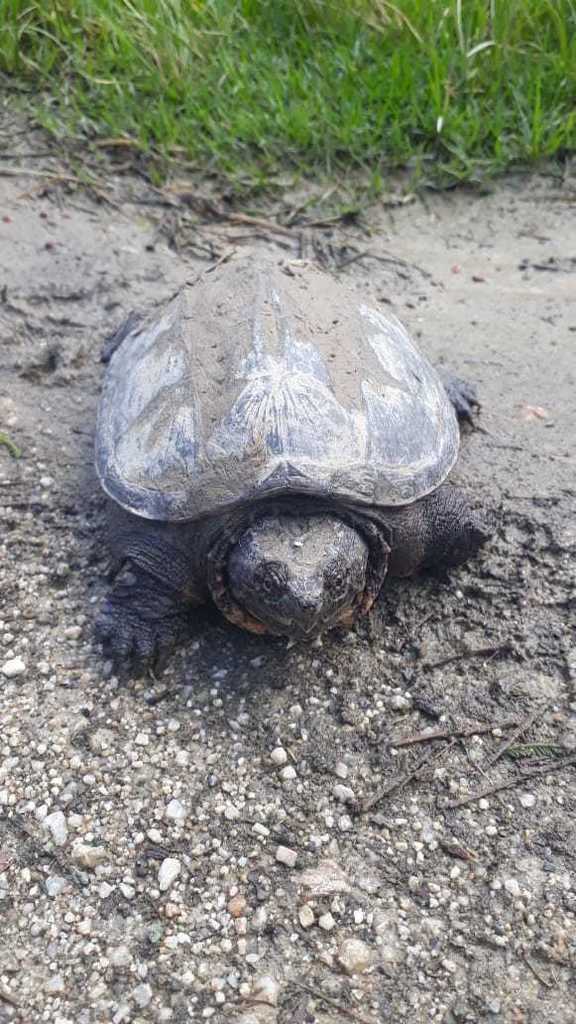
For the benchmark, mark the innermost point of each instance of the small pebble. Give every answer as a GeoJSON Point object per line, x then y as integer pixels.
{"type": "Point", "coordinates": [56, 885]}
{"type": "Point", "coordinates": [55, 985]}
{"type": "Point", "coordinates": [527, 799]}
{"type": "Point", "coordinates": [168, 873]}
{"type": "Point", "coordinates": [57, 826]}
{"type": "Point", "coordinates": [400, 703]}
{"type": "Point", "coordinates": [14, 667]}
{"type": "Point", "coordinates": [326, 921]}
{"type": "Point", "coordinates": [512, 887]}
{"type": "Point", "coordinates": [175, 811]}
{"type": "Point", "coordinates": [284, 855]}
{"type": "Point", "coordinates": [306, 916]}
{"type": "Point", "coordinates": [288, 773]}
{"type": "Point", "coordinates": [89, 856]}
{"type": "Point", "coordinates": [344, 793]}
{"type": "Point", "coordinates": [237, 906]}
{"type": "Point", "coordinates": [341, 770]}
{"type": "Point", "coordinates": [266, 989]}
{"type": "Point", "coordinates": [355, 956]}
{"type": "Point", "coordinates": [142, 995]}
{"type": "Point", "coordinates": [278, 756]}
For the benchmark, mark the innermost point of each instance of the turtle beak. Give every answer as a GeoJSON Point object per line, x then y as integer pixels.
{"type": "Point", "coordinates": [308, 623]}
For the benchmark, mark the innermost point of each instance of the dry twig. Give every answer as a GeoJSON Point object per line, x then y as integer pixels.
{"type": "Point", "coordinates": [369, 802]}
{"type": "Point", "coordinates": [318, 994]}
{"type": "Point", "coordinates": [522, 728]}
{"type": "Point", "coordinates": [480, 652]}
{"type": "Point", "coordinates": [543, 981]}
{"type": "Point", "coordinates": [451, 734]}
{"type": "Point", "coordinates": [567, 762]}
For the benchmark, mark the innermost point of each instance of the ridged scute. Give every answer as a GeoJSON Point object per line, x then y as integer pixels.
{"type": "Point", "coordinates": [269, 378]}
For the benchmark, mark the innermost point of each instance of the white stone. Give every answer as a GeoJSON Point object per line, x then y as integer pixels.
{"type": "Point", "coordinates": [341, 770]}
{"type": "Point", "coordinates": [400, 703]}
{"type": "Point", "coordinates": [57, 826]}
{"type": "Point", "coordinates": [512, 887]}
{"type": "Point", "coordinates": [326, 921]}
{"type": "Point", "coordinates": [56, 885]}
{"type": "Point", "coordinates": [288, 774]}
{"type": "Point", "coordinates": [286, 856]}
{"type": "Point", "coordinates": [266, 989]}
{"type": "Point", "coordinates": [527, 799]}
{"type": "Point", "coordinates": [175, 810]}
{"type": "Point", "coordinates": [326, 879]}
{"type": "Point", "coordinates": [344, 793]}
{"type": "Point", "coordinates": [306, 916]}
{"type": "Point", "coordinates": [168, 873]}
{"type": "Point", "coordinates": [278, 756]}
{"type": "Point", "coordinates": [13, 667]}
{"type": "Point", "coordinates": [55, 985]}
{"type": "Point", "coordinates": [355, 956]}
{"type": "Point", "coordinates": [142, 995]}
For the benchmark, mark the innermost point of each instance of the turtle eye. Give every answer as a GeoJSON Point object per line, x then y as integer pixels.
{"type": "Point", "coordinates": [271, 579]}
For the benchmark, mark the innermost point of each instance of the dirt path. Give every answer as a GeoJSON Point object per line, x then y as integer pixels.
{"type": "Point", "coordinates": [140, 825]}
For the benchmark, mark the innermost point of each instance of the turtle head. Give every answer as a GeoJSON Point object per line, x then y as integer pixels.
{"type": "Point", "coordinates": [298, 575]}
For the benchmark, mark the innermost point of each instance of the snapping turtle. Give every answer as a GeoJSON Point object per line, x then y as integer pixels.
{"type": "Point", "coordinates": [274, 444]}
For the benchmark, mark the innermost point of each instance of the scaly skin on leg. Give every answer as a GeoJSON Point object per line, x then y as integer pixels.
{"type": "Point", "coordinates": [148, 608]}
{"type": "Point", "coordinates": [440, 531]}
{"type": "Point", "coordinates": [141, 620]}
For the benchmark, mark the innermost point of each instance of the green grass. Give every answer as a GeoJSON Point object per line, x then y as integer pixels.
{"type": "Point", "coordinates": [456, 89]}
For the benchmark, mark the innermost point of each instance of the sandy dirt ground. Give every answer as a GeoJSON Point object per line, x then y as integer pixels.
{"type": "Point", "coordinates": [380, 828]}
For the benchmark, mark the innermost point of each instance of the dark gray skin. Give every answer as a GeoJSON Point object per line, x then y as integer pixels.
{"type": "Point", "coordinates": [293, 568]}
{"type": "Point", "coordinates": [298, 574]}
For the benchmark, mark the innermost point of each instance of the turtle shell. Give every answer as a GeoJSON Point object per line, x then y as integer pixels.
{"type": "Point", "coordinates": [268, 378]}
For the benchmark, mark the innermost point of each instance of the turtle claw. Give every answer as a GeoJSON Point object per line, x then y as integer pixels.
{"type": "Point", "coordinates": [134, 644]}
{"type": "Point", "coordinates": [138, 629]}
{"type": "Point", "coordinates": [462, 395]}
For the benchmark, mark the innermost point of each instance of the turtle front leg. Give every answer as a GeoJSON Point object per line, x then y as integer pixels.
{"type": "Point", "coordinates": [141, 620]}
{"type": "Point", "coordinates": [439, 531]}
